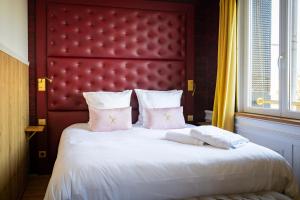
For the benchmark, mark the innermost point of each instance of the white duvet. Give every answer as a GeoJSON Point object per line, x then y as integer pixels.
{"type": "Point", "coordinates": [138, 164]}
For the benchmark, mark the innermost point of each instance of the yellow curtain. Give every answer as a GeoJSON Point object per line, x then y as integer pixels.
{"type": "Point", "coordinates": [224, 103]}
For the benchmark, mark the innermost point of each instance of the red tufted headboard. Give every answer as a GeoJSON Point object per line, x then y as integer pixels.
{"type": "Point", "coordinates": [111, 46]}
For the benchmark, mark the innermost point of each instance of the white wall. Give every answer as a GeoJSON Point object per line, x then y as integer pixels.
{"type": "Point", "coordinates": [280, 137]}
{"type": "Point", "coordinates": [14, 29]}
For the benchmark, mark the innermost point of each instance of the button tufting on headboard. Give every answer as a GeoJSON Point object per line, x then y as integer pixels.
{"type": "Point", "coordinates": [115, 32]}
{"type": "Point", "coordinates": [71, 77]}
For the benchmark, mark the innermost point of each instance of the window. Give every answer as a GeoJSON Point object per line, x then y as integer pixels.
{"type": "Point", "coordinates": [269, 57]}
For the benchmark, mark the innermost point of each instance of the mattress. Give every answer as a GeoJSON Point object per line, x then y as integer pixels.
{"type": "Point", "coordinates": [139, 164]}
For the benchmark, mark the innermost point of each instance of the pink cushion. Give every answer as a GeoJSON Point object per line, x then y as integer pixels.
{"type": "Point", "coordinates": [109, 119]}
{"type": "Point", "coordinates": [164, 118]}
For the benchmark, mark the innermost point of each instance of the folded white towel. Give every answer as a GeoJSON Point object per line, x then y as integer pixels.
{"type": "Point", "coordinates": [183, 136]}
{"type": "Point", "coordinates": [218, 137]}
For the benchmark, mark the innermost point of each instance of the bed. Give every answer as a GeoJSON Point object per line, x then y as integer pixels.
{"type": "Point", "coordinates": [140, 164]}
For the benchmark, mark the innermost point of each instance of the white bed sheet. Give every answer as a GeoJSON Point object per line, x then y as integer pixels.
{"type": "Point", "coordinates": [139, 164]}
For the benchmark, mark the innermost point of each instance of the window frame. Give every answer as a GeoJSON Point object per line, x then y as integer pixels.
{"type": "Point", "coordinates": [243, 50]}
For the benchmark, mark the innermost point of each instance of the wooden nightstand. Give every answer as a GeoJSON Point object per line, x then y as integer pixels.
{"type": "Point", "coordinates": [32, 130]}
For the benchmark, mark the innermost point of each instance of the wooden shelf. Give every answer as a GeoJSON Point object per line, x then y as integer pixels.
{"type": "Point", "coordinates": [32, 130]}
{"type": "Point", "coordinates": [203, 123]}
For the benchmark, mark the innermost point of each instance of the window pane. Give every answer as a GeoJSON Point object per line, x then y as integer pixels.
{"type": "Point", "coordinates": [264, 54]}
{"type": "Point", "coordinates": [295, 59]}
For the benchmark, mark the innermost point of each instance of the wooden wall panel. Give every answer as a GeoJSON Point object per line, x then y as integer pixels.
{"type": "Point", "coordinates": [14, 117]}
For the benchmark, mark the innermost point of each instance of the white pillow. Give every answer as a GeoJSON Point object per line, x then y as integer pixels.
{"type": "Point", "coordinates": [108, 100]}
{"type": "Point", "coordinates": [156, 99]}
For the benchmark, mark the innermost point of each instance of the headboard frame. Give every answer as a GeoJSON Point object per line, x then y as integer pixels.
{"type": "Point", "coordinates": [109, 46]}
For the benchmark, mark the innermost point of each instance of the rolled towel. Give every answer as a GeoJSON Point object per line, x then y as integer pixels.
{"type": "Point", "coordinates": [183, 136]}
{"type": "Point", "coordinates": [218, 137]}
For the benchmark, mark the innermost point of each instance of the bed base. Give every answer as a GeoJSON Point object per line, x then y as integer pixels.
{"type": "Point", "coordinates": [249, 196]}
